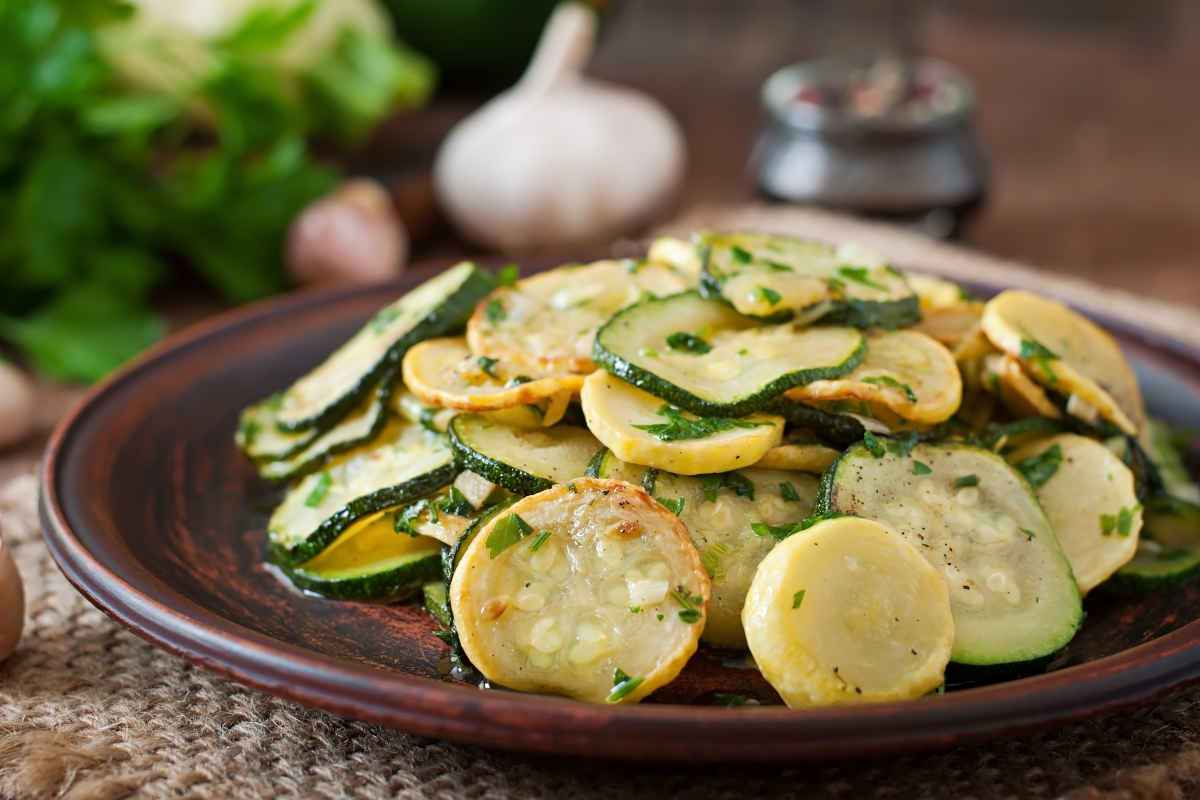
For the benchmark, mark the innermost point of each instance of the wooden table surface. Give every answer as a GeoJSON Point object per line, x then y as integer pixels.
{"type": "Point", "coordinates": [1088, 109]}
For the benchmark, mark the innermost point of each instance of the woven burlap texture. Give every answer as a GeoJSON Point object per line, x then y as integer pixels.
{"type": "Point", "coordinates": [89, 710]}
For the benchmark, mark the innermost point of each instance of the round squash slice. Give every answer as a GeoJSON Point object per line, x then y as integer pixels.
{"type": "Point", "coordinates": [1068, 354]}
{"type": "Point", "coordinates": [545, 324]}
{"type": "Point", "coordinates": [811, 457]}
{"type": "Point", "coordinates": [1088, 494]}
{"type": "Point", "coordinates": [848, 612]}
{"type": "Point", "coordinates": [1004, 376]}
{"type": "Point", "coordinates": [591, 590]}
{"type": "Point", "coordinates": [642, 429]}
{"type": "Point", "coordinates": [444, 373]}
{"type": "Point", "coordinates": [904, 371]}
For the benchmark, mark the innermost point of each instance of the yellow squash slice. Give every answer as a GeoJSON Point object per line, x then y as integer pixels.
{"type": "Point", "coordinates": [1004, 376]}
{"type": "Point", "coordinates": [904, 371]}
{"type": "Point", "coordinates": [848, 612]}
{"type": "Point", "coordinates": [1068, 354]}
{"type": "Point", "coordinates": [799, 453]}
{"type": "Point", "coordinates": [1088, 494]}
{"type": "Point", "coordinates": [545, 324]}
{"type": "Point", "coordinates": [592, 590]}
{"type": "Point", "coordinates": [619, 414]}
{"type": "Point", "coordinates": [443, 372]}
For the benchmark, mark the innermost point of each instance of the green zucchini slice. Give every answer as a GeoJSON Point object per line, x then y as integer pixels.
{"type": "Point", "coordinates": [734, 520]}
{"type": "Point", "coordinates": [437, 603]}
{"type": "Point", "coordinates": [976, 520]}
{"type": "Point", "coordinates": [435, 308]}
{"type": "Point", "coordinates": [359, 427]}
{"type": "Point", "coordinates": [1089, 496]}
{"type": "Point", "coordinates": [1156, 441]}
{"type": "Point", "coordinates": [403, 464]}
{"type": "Point", "coordinates": [773, 277]}
{"type": "Point", "coordinates": [1155, 566]}
{"type": "Point", "coordinates": [261, 441]}
{"type": "Point", "coordinates": [544, 325]}
{"type": "Point", "coordinates": [520, 460]}
{"type": "Point", "coordinates": [640, 428]}
{"type": "Point", "coordinates": [371, 562]}
{"type": "Point", "coordinates": [743, 365]}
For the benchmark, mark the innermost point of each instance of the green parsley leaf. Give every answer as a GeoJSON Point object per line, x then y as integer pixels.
{"type": "Point", "coordinates": [1028, 534]}
{"type": "Point", "coordinates": [836, 286]}
{"type": "Point", "coordinates": [873, 445]}
{"type": "Point", "coordinates": [860, 275]}
{"type": "Point", "coordinates": [710, 558]}
{"type": "Point", "coordinates": [319, 490]}
{"type": "Point", "coordinates": [921, 468]}
{"type": "Point", "coordinates": [1041, 356]}
{"type": "Point", "coordinates": [966, 481]}
{"type": "Point", "coordinates": [672, 504]}
{"type": "Point", "coordinates": [1040, 468]}
{"type": "Point", "coordinates": [741, 254]}
{"type": "Point", "coordinates": [892, 383]}
{"type": "Point", "coordinates": [488, 365]}
{"type": "Point", "coordinates": [455, 502]}
{"type": "Point", "coordinates": [797, 599]}
{"type": "Point", "coordinates": [680, 427]}
{"type": "Point", "coordinates": [538, 541]}
{"type": "Point", "coordinates": [406, 520]}
{"type": "Point", "coordinates": [691, 605]}
{"type": "Point", "coordinates": [788, 492]}
{"type": "Point", "coordinates": [248, 430]}
{"type": "Point", "coordinates": [688, 343]}
{"type": "Point", "coordinates": [507, 531]}
{"type": "Point", "coordinates": [776, 266]}
{"type": "Point", "coordinates": [769, 295]}
{"type": "Point", "coordinates": [623, 686]}
{"type": "Point", "coordinates": [508, 274]}
{"type": "Point", "coordinates": [494, 311]}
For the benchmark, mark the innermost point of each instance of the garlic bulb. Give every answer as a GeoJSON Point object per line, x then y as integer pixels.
{"type": "Point", "coordinates": [16, 405]}
{"type": "Point", "coordinates": [559, 159]}
{"type": "Point", "coordinates": [12, 603]}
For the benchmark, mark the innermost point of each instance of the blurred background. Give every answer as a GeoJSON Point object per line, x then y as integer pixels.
{"type": "Point", "coordinates": [160, 161]}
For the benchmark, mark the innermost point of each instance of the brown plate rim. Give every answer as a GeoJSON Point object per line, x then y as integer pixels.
{"type": "Point", "coordinates": [661, 733]}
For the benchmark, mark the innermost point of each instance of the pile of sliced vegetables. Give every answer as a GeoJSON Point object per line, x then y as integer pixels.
{"type": "Point", "coordinates": [745, 440]}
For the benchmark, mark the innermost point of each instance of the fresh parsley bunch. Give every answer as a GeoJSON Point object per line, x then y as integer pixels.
{"type": "Point", "coordinates": [108, 185]}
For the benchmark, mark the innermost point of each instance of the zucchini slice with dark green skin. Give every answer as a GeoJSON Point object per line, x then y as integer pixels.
{"type": "Point", "coordinates": [437, 602]}
{"type": "Point", "coordinates": [741, 365]}
{"type": "Point", "coordinates": [976, 520]}
{"type": "Point", "coordinates": [1168, 552]}
{"type": "Point", "coordinates": [404, 464]}
{"type": "Point", "coordinates": [371, 562]}
{"type": "Point", "coordinates": [775, 277]}
{"type": "Point", "coordinates": [261, 441]}
{"type": "Point", "coordinates": [359, 427]}
{"type": "Point", "coordinates": [437, 307]}
{"type": "Point", "coordinates": [525, 461]}
{"type": "Point", "coordinates": [839, 430]}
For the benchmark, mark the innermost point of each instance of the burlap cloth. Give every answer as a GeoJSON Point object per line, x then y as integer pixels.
{"type": "Point", "coordinates": [89, 710]}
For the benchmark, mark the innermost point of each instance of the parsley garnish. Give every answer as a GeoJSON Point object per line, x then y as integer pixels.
{"type": "Point", "coordinates": [1121, 523]}
{"type": "Point", "coordinates": [836, 286]}
{"type": "Point", "coordinates": [494, 311]}
{"type": "Point", "coordinates": [508, 274]}
{"type": "Point", "coordinates": [688, 343]}
{"type": "Point", "coordinates": [782, 532]}
{"type": "Point", "coordinates": [797, 599]}
{"type": "Point", "coordinates": [1028, 534]}
{"type": "Point", "coordinates": [872, 443]}
{"type": "Point", "coordinates": [860, 275]}
{"type": "Point", "coordinates": [768, 294]}
{"type": "Point", "coordinates": [672, 504]}
{"type": "Point", "coordinates": [623, 686]}
{"type": "Point", "coordinates": [788, 492]}
{"type": "Point", "coordinates": [776, 266]}
{"type": "Point", "coordinates": [902, 445]}
{"type": "Point", "coordinates": [966, 481]}
{"type": "Point", "coordinates": [711, 557]}
{"type": "Point", "coordinates": [921, 468]}
{"type": "Point", "coordinates": [741, 254]}
{"type": "Point", "coordinates": [507, 532]}
{"type": "Point", "coordinates": [680, 427]}
{"type": "Point", "coordinates": [1040, 468]}
{"type": "Point", "coordinates": [1040, 355]}
{"type": "Point", "coordinates": [405, 521]}
{"type": "Point", "coordinates": [488, 365]}
{"type": "Point", "coordinates": [538, 541]}
{"type": "Point", "coordinates": [456, 503]}
{"type": "Point", "coordinates": [248, 430]}
{"type": "Point", "coordinates": [319, 490]}
{"type": "Point", "coordinates": [691, 605]}
{"type": "Point", "coordinates": [889, 381]}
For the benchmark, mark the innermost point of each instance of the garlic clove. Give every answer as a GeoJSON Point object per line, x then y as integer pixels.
{"type": "Point", "coordinates": [351, 235]}
{"type": "Point", "coordinates": [17, 405]}
{"type": "Point", "coordinates": [12, 603]}
{"type": "Point", "coordinates": [560, 159]}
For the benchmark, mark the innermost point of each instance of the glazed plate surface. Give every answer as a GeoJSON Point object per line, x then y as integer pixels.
{"type": "Point", "coordinates": [154, 515]}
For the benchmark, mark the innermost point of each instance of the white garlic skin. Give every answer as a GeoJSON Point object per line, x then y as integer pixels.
{"type": "Point", "coordinates": [560, 159]}
{"type": "Point", "coordinates": [12, 603]}
{"type": "Point", "coordinates": [17, 405]}
{"type": "Point", "coordinates": [351, 235]}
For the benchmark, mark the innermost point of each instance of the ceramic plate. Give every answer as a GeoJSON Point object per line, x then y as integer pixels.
{"type": "Point", "coordinates": [154, 515]}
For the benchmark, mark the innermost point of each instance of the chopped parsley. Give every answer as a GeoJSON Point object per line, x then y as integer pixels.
{"type": "Point", "coordinates": [507, 532]}
{"type": "Point", "coordinates": [488, 365]}
{"type": "Point", "coordinates": [797, 599]}
{"type": "Point", "coordinates": [711, 557]}
{"type": "Point", "coordinates": [892, 383]}
{"type": "Point", "coordinates": [1028, 534]}
{"type": "Point", "coordinates": [872, 443]}
{"type": "Point", "coordinates": [1041, 356]}
{"type": "Point", "coordinates": [1040, 468]}
{"type": "Point", "coordinates": [405, 521]}
{"type": "Point", "coordinates": [860, 275]}
{"type": "Point", "coordinates": [623, 686]}
{"type": "Point", "coordinates": [672, 504]}
{"type": "Point", "coordinates": [508, 274]}
{"type": "Point", "coordinates": [540, 540]}
{"type": "Point", "coordinates": [734, 481]}
{"type": "Point", "coordinates": [781, 532]}
{"type": "Point", "coordinates": [921, 468]}
{"type": "Point", "coordinates": [688, 343]}
{"type": "Point", "coordinates": [248, 431]}
{"type": "Point", "coordinates": [680, 427]}
{"type": "Point", "coordinates": [1120, 523]}
{"type": "Point", "coordinates": [456, 503]}
{"type": "Point", "coordinates": [901, 445]}
{"type": "Point", "coordinates": [836, 286]}
{"type": "Point", "coordinates": [788, 491]}
{"type": "Point", "coordinates": [966, 481]}
{"type": "Point", "coordinates": [494, 311]}
{"type": "Point", "coordinates": [319, 490]}
{"type": "Point", "coordinates": [741, 254]}
{"type": "Point", "coordinates": [769, 295]}
{"type": "Point", "coordinates": [691, 605]}
{"type": "Point", "coordinates": [776, 266]}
